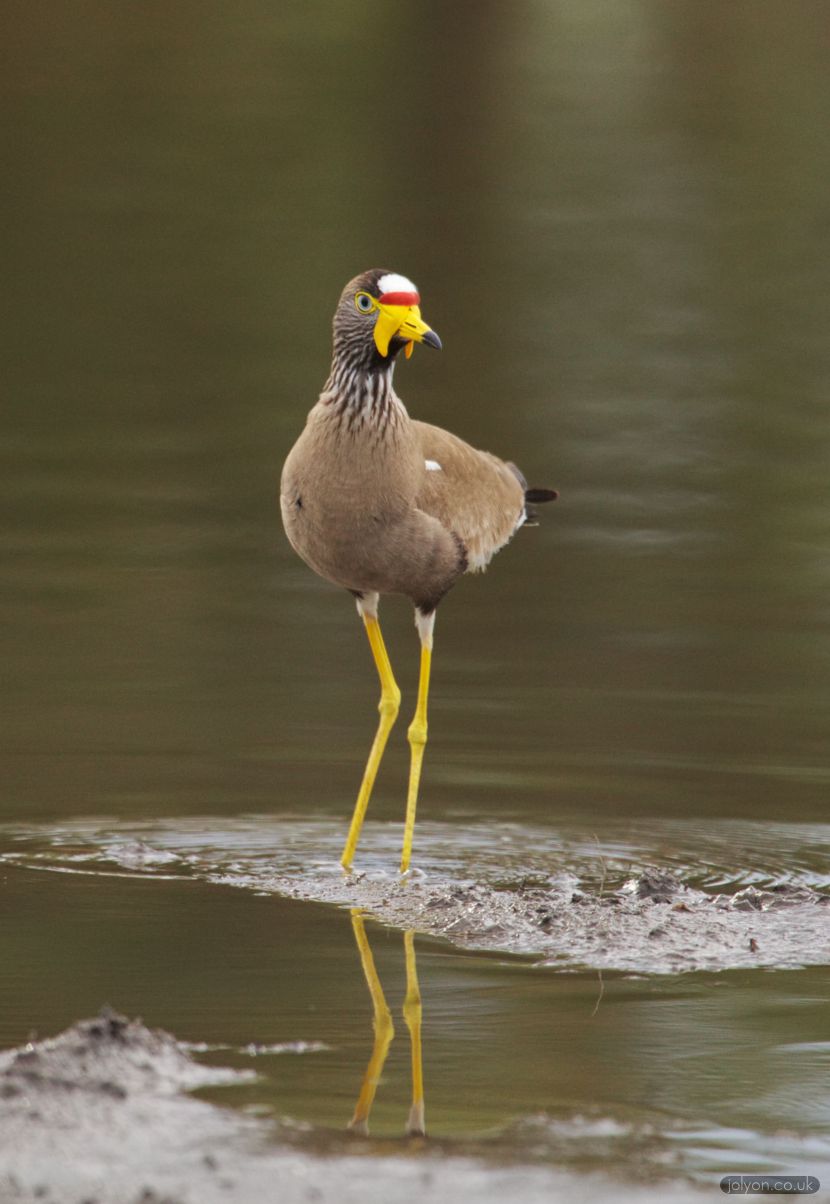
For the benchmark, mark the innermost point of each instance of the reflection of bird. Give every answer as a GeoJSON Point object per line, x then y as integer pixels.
{"type": "Point", "coordinates": [385, 1032]}
{"type": "Point", "coordinates": [379, 503]}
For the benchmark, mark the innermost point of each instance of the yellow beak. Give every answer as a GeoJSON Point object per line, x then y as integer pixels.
{"type": "Point", "coordinates": [406, 322]}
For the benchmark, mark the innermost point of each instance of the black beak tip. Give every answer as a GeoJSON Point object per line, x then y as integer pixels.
{"type": "Point", "coordinates": [431, 339]}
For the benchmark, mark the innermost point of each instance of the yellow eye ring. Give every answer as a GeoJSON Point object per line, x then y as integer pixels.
{"type": "Point", "coordinates": [364, 304]}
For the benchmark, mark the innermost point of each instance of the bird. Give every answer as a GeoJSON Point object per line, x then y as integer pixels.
{"type": "Point", "coordinates": [380, 503]}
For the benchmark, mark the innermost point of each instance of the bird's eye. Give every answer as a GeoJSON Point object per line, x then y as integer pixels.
{"type": "Point", "coordinates": [364, 303]}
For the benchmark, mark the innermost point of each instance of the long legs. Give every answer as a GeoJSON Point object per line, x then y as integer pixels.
{"type": "Point", "coordinates": [417, 733]}
{"type": "Point", "coordinates": [389, 705]}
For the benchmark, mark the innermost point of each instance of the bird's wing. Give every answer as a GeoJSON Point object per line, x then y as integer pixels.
{"type": "Point", "coordinates": [472, 493]}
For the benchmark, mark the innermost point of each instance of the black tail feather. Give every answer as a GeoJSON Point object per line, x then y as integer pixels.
{"type": "Point", "coordinates": [541, 495]}
{"type": "Point", "coordinates": [532, 496]}
{"type": "Point", "coordinates": [538, 497]}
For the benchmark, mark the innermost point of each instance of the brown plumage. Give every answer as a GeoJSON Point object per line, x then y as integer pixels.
{"type": "Point", "coordinates": [379, 503]}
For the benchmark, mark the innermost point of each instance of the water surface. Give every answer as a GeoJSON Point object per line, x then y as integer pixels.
{"type": "Point", "coordinates": [618, 218]}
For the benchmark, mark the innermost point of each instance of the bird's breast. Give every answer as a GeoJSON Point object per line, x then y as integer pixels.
{"type": "Point", "coordinates": [342, 495]}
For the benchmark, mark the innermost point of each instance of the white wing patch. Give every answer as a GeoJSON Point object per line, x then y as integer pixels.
{"type": "Point", "coordinates": [432, 466]}
{"type": "Point", "coordinates": [393, 283]}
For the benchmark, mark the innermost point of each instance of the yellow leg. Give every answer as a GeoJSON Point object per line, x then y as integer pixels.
{"type": "Point", "coordinates": [412, 1016]}
{"type": "Point", "coordinates": [389, 705]}
{"type": "Point", "coordinates": [383, 1027]}
{"type": "Point", "coordinates": [417, 735]}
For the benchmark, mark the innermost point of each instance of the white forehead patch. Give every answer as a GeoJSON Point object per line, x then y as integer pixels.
{"type": "Point", "coordinates": [393, 283]}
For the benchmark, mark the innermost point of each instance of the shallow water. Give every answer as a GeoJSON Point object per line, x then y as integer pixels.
{"type": "Point", "coordinates": [618, 219]}
{"type": "Point", "coordinates": [624, 1074]}
{"type": "Point", "coordinates": [636, 1074]}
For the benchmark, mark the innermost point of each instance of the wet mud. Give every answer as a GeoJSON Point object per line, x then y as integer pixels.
{"type": "Point", "coordinates": [104, 1112]}
{"type": "Point", "coordinates": [683, 905]}
{"type": "Point", "coordinates": [100, 1115]}
{"type": "Point", "coordinates": [652, 924]}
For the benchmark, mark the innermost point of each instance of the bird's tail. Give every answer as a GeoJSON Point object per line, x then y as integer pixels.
{"type": "Point", "coordinates": [537, 497]}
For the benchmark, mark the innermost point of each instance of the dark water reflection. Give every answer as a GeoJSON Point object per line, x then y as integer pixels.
{"type": "Point", "coordinates": [618, 218]}
{"type": "Point", "coordinates": [697, 1074]}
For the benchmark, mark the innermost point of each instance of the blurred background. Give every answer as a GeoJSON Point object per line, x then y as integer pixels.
{"type": "Point", "coordinates": [617, 214]}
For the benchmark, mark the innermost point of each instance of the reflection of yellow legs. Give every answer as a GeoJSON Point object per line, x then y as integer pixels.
{"type": "Point", "coordinates": [417, 734]}
{"type": "Point", "coordinates": [389, 705]}
{"type": "Point", "coordinates": [412, 1016]}
{"type": "Point", "coordinates": [385, 1031]}
{"type": "Point", "coordinates": [382, 1024]}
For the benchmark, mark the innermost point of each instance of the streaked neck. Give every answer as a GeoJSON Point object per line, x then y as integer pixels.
{"type": "Point", "coordinates": [361, 396]}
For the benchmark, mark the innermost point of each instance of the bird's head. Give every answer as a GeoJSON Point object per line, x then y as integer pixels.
{"type": "Point", "coordinates": [379, 314]}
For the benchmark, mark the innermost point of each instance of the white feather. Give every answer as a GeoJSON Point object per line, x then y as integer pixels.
{"type": "Point", "coordinates": [425, 624]}
{"type": "Point", "coordinates": [432, 466]}
{"type": "Point", "coordinates": [393, 283]}
{"type": "Point", "coordinates": [367, 606]}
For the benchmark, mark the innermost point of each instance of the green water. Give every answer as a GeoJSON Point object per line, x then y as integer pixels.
{"type": "Point", "coordinates": [618, 219]}
{"type": "Point", "coordinates": [625, 1073]}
